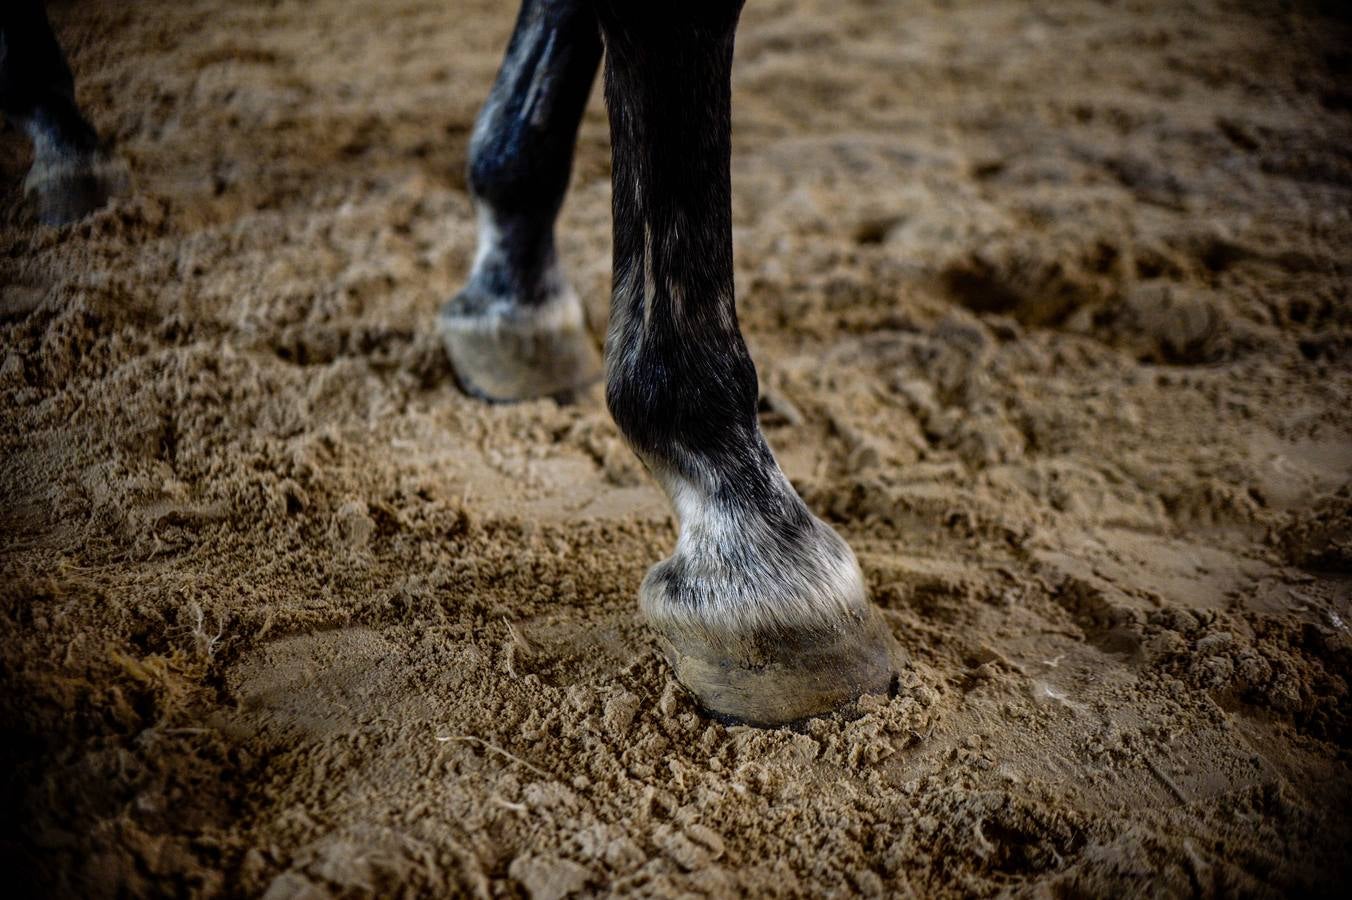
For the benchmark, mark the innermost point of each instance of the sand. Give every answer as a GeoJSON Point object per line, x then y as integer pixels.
{"type": "Point", "coordinates": [1050, 304]}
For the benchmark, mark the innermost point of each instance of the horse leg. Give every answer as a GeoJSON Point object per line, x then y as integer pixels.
{"type": "Point", "coordinates": [71, 175]}
{"type": "Point", "coordinates": [517, 329]}
{"type": "Point", "coordinates": [761, 608]}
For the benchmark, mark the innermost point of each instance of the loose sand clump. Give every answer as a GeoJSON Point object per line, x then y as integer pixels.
{"type": "Point", "coordinates": [1050, 305]}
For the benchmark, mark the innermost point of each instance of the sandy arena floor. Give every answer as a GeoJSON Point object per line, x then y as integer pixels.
{"type": "Point", "coordinates": [1051, 309]}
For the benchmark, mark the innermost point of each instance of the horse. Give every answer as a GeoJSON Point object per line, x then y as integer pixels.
{"type": "Point", "coordinates": [761, 608]}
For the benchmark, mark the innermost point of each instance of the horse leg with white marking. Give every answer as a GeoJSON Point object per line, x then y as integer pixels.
{"type": "Point", "coordinates": [762, 607]}
{"type": "Point", "coordinates": [71, 174]}
{"type": "Point", "coordinates": [517, 329]}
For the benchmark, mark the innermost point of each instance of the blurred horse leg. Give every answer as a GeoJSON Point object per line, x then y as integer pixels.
{"type": "Point", "coordinates": [517, 328]}
{"type": "Point", "coordinates": [71, 176]}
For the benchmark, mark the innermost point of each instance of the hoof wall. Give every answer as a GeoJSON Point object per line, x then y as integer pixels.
{"type": "Point", "coordinates": [67, 191]}
{"type": "Point", "coordinates": [794, 678]}
{"type": "Point", "coordinates": [516, 355]}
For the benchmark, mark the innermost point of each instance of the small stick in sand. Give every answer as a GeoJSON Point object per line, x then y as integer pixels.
{"type": "Point", "coordinates": [1166, 780]}
{"type": "Point", "coordinates": [495, 748]}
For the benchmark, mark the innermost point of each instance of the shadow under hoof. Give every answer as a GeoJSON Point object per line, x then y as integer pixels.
{"type": "Point", "coordinates": [68, 190]}
{"type": "Point", "coordinates": [790, 678]}
{"type": "Point", "coordinates": [509, 357]}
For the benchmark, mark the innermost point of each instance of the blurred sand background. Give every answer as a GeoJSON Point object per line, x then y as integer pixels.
{"type": "Point", "coordinates": [1050, 305]}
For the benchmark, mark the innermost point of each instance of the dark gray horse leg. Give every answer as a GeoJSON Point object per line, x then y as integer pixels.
{"type": "Point", "coordinates": [70, 176]}
{"type": "Point", "coordinates": [517, 329]}
{"type": "Point", "coordinates": [762, 607]}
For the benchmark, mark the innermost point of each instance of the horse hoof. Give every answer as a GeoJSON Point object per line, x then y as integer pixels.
{"type": "Point", "coordinates": [768, 625]}
{"type": "Point", "coordinates": [70, 188]}
{"type": "Point", "coordinates": [507, 352]}
{"type": "Point", "coordinates": [794, 678]}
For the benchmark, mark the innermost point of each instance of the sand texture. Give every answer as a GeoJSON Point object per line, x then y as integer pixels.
{"type": "Point", "coordinates": [1050, 303]}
